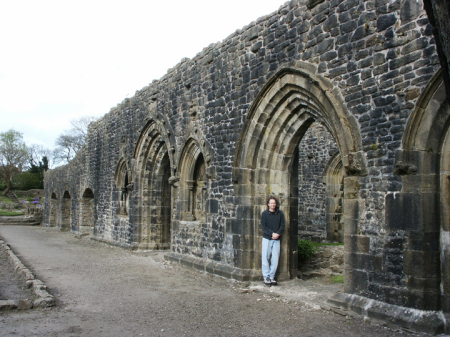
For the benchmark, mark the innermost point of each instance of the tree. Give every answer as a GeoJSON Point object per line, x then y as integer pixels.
{"type": "Point", "coordinates": [13, 156]}
{"type": "Point", "coordinates": [38, 153]}
{"type": "Point", "coordinates": [72, 140]}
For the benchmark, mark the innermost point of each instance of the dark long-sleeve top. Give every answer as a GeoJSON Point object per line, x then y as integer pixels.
{"type": "Point", "coordinates": [272, 223]}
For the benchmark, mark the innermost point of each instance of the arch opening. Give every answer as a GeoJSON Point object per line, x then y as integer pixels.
{"type": "Point", "coordinates": [87, 212]}
{"type": "Point", "coordinates": [267, 163]}
{"type": "Point", "coordinates": [153, 217]}
{"type": "Point", "coordinates": [65, 212]}
{"type": "Point", "coordinates": [424, 167]}
{"type": "Point", "coordinates": [53, 210]}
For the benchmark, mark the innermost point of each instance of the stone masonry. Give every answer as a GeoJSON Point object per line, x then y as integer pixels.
{"type": "Point", "coordinates": [187, 164]}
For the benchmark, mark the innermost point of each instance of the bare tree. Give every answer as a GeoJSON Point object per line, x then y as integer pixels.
{"type": "Point", "coordinates": [13, 156]}
{"type": "Point", "coordinates": [38, 152]}
{"type": "Point", "coordinates": [72, 140]}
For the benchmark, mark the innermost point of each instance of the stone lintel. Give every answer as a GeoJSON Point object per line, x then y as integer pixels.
{"type": "Point", "coordinates": [431, 322]}
{"type": "Point", "coordinates": [215, 268]}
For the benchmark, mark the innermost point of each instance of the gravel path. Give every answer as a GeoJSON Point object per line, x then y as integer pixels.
{"type": "Point", "coordinates": [107, 291]}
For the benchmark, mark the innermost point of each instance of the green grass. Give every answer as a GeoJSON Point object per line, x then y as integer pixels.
{"type": "Point", "coordinates": [5, 199]}
{"type": "Point", "coordinates": [319, 244]}
{"type": "Point", "coordinates": [5, 213]}
{"type": "Point", "coordinates": [338, 279]}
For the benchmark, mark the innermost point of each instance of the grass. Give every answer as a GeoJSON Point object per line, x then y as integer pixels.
{"type": "Point", "coordinates": [338, 279]}
{"type": "Point", "coordinates": [320, 244]}
{"type": "Point", "coordinates": [5, 199]}
{"type": "Point", "coordinates": [5, 213]}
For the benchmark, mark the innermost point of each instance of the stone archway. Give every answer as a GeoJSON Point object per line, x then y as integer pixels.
{"type": "Point", "coordinates": [424, 167]}
{"type": "Point", "coordinates": [276, 122]}
{"type": "Point", "coordinates": [193, 183]}
{"type": "Point", "coordinates": [65, 212]}
{"type": "Point", "coordinates": [52, 221]}
{"type": "Point", "coordinates": [153, 217]}
{"type": "Point", "coordinates": [334, 181]}
{"type": "Point", "coordinates": [122, 179]}
{"type": "Point", "coordinates": [87, 211]}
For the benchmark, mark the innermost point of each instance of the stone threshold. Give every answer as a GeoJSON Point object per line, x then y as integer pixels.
{"type": "Point", "coordinates": [214, 268]}
{"type": "Point", "coordinates": [44, 299]}
{"type": "Point", "coordinates": [432, 322]}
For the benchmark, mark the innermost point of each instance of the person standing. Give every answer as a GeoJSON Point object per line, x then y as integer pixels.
{"type": "Point", "coordinates": [272, 224]}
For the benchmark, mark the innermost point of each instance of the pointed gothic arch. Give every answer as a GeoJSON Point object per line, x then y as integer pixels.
{"type": "Point", "coordinates": [334, 206]}
{"type": "Point", "coordinates": [87, 212]}
{"type": "Point", "coordinates": [53, 210]}
{"type": "Point", "coordinates": [123, 187]}
{"type": "Point", "coordinates": [153, 165]}
{"type": "Point", "coordinates": [424, 167]}
{"type": "Point", "coordinates": [265, 152]}
{"type": "Point", "coordinates": [193, 185]}
{"type": "Point", "coordinates": [65, 212]}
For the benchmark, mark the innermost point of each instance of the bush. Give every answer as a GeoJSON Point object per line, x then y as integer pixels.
{"type": "Point", "coordinates": [306, 249]}
{"type": "Point", "coordinates": [26, 181]}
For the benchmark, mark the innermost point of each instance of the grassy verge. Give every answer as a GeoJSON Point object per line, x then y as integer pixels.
{"type": "Point", "coordinates": [338, 279]}
{"type": "Point", "coordinates": [5, 199]}
{"type": "Point", "coordinates": [320, 244]}
{"type": "Point", "coordinates": [5, 213]}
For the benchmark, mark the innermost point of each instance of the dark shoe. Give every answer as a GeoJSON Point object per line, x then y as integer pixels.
{"type": "Point", "coordinates": [267, 281]}
{"type": "Point", "coordinates": [273, 282]}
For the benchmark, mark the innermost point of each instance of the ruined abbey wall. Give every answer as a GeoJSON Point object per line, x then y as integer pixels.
{"type": "Point", "coordinates": [188, 162]}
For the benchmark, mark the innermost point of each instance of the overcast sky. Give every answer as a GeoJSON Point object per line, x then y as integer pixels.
{"type": "Point", "coordinates": [60, 60]}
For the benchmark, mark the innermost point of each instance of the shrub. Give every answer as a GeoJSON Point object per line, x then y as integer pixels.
{"type": "Point", "coordinates": [26, 181]}
{"type": "Point", "coordinates": [306, 249]}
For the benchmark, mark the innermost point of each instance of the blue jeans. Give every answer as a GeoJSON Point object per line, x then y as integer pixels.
{"type": "Point", "coordinates": [270, 247]}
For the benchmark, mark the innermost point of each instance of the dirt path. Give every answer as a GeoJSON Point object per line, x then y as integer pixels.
{"type": "Point", "coordinates": [108, 291]}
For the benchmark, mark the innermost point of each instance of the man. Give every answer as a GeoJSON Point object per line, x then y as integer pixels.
{"type": "Point", "coordinates": [272, 224]}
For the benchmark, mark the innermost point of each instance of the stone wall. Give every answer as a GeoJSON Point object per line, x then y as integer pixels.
{"type": "Point", "coordinates": [315, 150]}
{"type": "Point", "coordinates": [224, 128]}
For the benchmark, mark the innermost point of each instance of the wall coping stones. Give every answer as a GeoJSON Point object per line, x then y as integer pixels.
{"type": "Point", "coordinates": [40, 289]}
{"type": "Point", "coordinates": [432, 322]}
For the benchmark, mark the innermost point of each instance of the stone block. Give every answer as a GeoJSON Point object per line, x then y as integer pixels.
{"type": "Point", "coordinates": [421, 264]}
{"type": "Point", "coordinates": [355, 281]}
{"type": "Point", "coordinates": [356, 243]}
{"type": "Point", "coordinates": [24, 304]}
{"type": "Point", "coordinates": [421, 284]}
{"type": "Point", "coordinates": [7, 305]}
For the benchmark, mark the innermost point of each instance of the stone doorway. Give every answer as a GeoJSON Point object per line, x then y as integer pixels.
{"type": "Point", "coordinates": [154, 192]}
{"type": "Point", "coordinates": [87, 220]}
{"type": "Point", "coordinates": [65, 212]}
{"type": "Point", "coordinates": [53, 211]}
{"type": "Point", "coordinates": [267, 157]}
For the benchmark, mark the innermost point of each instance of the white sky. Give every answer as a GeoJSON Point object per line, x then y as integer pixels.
{"type": "Point", "coordinates": [61, 60]}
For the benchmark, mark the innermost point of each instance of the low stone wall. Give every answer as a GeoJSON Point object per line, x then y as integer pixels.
{"type": "Point", "coordinates": [6, 205]}
{"type": "Point", "coordinates": [44, 299]}
{"type": "Point", "coordinates": [327, 261]}
{"type": "Point", "coordinates": [31, 193]}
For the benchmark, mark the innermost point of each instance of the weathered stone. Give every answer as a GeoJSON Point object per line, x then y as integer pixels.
{"type": "Point", "coordinates": [24, 304]}
{"type": "Point", "coordinates": [385, 21]}
{"type": "Point", "coordinates": [310, 105]}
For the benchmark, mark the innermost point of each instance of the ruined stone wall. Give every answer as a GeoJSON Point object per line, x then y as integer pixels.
{"type": "Point", "coordinates": [315, 150]}
{"type": "Point", "coordinates": [372, 59]}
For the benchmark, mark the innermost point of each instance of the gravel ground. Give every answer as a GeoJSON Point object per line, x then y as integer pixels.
{"type": "Point", "coordinates": [12, 287]}
{"type": "Point", "coordinates": [107, 291]}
